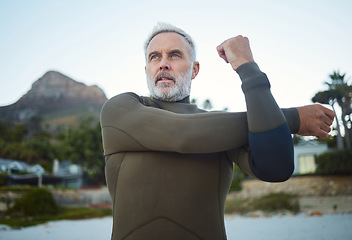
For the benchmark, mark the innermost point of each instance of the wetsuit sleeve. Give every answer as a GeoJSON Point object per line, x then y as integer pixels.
{"type": "Point", "coordinates": [241, 156]}
{"type": "Point", "coordinates": [270, 142]}
{"type": "Point", "coordinates": [128, 125]}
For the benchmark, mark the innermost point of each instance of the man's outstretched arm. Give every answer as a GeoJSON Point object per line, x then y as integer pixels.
{"type": "Point", "coordinates": [309, 120]}
{"type": "Point", "coordinates": [270, 142]}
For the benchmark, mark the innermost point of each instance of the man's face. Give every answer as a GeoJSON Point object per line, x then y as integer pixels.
{"type": "Point", "coordinates": [169, 68]}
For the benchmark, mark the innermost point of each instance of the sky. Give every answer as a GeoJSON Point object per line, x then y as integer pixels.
{"type": "Point", "coordinates": [296, 43]}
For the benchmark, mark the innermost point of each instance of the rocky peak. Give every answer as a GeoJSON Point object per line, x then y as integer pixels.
{"type": "Point", "coordinates": [56, 85]}
{"type": "Point", "coordinates": [54, 92]}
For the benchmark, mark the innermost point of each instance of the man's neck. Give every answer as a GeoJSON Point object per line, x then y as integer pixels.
{"type": "Point", "coordinates": [184, 100]}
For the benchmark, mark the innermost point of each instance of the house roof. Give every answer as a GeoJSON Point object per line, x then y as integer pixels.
{"type": "Point", "coordinates": [7, 164]}
{"type": "Point", "coordinates": [310, 143]}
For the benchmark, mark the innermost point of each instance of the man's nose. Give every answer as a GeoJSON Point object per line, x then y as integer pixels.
{"type": "Point", "coordinates": [164, 64]}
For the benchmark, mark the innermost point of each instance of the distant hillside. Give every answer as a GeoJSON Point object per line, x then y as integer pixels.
{"type": "Point", "coordinates": [56, 98]}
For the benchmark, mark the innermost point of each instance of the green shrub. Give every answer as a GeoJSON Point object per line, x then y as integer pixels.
{"type": "Point", "coordinates": [240, 206]}
{"type": "Point", "coordinates": [238, 176]}
{"type": "Point", "coordinates": [84, 213]}
{"type": "Point", "coordinates": [36, 202]}
{"type": "Point", "coordinates": [3, 178]}
{"type": "Point", "coordinates": [64, 213]}
{"type": "Point", "coordinates": [274, 202]}
{"type": "Point", "coordinates": [336, 162]}
{"type": "Point", "coordinates": [16, 188]}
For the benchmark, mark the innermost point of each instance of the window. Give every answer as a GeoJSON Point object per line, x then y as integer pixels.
{"type": "Point", "coordinates": [306, 163]}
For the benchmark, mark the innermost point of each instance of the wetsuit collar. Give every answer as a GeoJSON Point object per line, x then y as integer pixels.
{"type": "Point", "coordinates": [185, 100]}
{"type": "Point", "coordinates": [182, 106]}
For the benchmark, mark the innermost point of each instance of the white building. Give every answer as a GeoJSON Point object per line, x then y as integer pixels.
{"type": "Point", "coordinates": [305, 153]}
{"type": "Point", "coordinates": [15, 166]}
{"type": "Point", "coordinates": [69, 173]}
{"type": "Point", "coordinates": [65, 174]}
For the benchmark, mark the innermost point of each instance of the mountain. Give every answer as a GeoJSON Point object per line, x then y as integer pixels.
{"type": "Point", "coordinates": [55, 96]}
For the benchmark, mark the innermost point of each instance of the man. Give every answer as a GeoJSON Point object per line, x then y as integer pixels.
{"type": "Point", "coordinates": [169, 164]}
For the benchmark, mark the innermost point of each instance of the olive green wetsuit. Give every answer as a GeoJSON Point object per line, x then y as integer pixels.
{"type": "Point", "coordinates": [169, 165]}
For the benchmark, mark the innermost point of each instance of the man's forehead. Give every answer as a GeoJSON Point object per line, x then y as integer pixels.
{"type": "Point", "coordinates": [167, 41]}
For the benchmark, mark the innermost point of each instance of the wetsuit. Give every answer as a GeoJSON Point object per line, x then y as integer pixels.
{"type": "Point", "coordinates": [169, 166]}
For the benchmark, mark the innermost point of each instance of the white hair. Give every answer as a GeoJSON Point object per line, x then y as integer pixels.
{"type": "Point", "coordinates": [166, 27]}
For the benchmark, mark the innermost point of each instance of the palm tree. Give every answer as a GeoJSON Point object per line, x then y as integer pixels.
{"type": "Point", "coordinates": [329, 97]}
{"type": "Point", "coordinates": [341, 93]}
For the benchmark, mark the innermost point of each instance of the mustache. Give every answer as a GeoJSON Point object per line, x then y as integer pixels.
{"type": "Point", "coordinates": [164, 74]}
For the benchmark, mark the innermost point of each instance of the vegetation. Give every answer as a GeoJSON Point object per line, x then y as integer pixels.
{"type": "Point", "coordinates": [36, 202]}
{"type": "Point", "coordinates": [206, 105]}
{"type": "Point", "coordinates": [64, 213]}
{"type": "Point", "coordinates": [37, 206]}
{"type": "Point", "coordinates": [336, 162]}
{"type": "Point", "coordinates": [2, 178]}
{"type": "Point", "coordinates": [84, 146]}
{"type": "Point", "coordinates": [339, 93]}
{"type": "Point", "coordinates": [34, 143]}
{"type": "Point", "coordinates": [271, 203]}
{"type": "Point", "coordinates": [16, 188]}
{"type": "Point", "coordinates": [238, 176]}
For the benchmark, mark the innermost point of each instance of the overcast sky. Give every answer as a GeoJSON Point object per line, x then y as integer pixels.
{"type": "Point", "coordinates": [296, 43]}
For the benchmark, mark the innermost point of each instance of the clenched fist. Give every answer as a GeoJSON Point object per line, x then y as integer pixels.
{"type": "Point", "coordinates": [315, 120]}
{"type": "Point", "coordinates": [236, 51]}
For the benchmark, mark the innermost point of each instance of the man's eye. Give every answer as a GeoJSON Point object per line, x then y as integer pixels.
{"type": "Point", "coordinates": [153, 57]}
{"type": "Point", "coordinates": [175, 55]}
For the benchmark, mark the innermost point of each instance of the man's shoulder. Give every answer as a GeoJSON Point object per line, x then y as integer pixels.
{"type": "Point", "coordinates": [122, 96]}
{"type": "Point", "coordinates": [119, 104]}
{"type": "Point", "coordinates": [126, 99]}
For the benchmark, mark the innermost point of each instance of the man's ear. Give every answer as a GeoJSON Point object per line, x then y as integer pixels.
{"type": "Point", "coordinates": [195, 69]}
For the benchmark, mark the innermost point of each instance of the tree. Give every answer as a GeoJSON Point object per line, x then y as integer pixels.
{"type": "Point", "coordinates": [339, 92]}
{"type": "Point", "coordinates": [207, 105]}
{"type": "Point", "coordinates": [84, 147]}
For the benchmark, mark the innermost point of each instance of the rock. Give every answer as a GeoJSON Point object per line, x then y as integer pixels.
{"type": "Point", "coordinates": [315, 213]}
{"type": "Point", "coordinates": [51, 93]}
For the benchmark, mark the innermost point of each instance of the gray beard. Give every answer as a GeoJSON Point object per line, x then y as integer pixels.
{"type": "Point", "coordinates": [174, 93]}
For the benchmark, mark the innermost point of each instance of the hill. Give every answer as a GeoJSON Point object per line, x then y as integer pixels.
{"type": "Point", "coordinates": [56, 99]}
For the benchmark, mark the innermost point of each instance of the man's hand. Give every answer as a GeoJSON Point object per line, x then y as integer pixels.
{"type": "Point", "coordinates": [315, 120]}
{"type": "Point", "coordinates": [236, 51]}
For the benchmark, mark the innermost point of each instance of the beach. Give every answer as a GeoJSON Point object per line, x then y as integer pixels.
{"type": "Point", "coordinates": [301, 226]}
